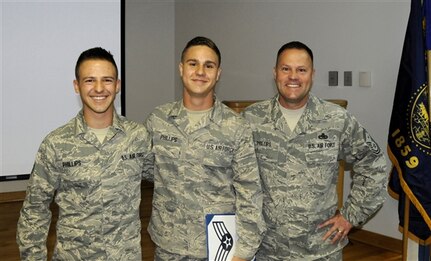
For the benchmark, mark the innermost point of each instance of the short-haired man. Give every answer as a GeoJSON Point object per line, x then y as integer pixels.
{"type": "Point", "coordinates": [299, 140]}
{"type": "Point", "coordinates": [92, 167]}
{"type": "Point", "coordinates": [204, 164]}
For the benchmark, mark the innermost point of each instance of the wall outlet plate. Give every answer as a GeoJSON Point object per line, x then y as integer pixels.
{"type": "Point", "coordinates": [348, 78]}
{"type": "Point", "coordinates": [333, 78]}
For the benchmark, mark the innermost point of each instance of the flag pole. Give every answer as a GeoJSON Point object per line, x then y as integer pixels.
{"type": "Point", "coordinates": [406, 227]}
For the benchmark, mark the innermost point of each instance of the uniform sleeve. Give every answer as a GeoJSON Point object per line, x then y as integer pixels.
{"type": "Point", "coordinates": [369, 175]}
{"type": "Point", "coordinates": [35, 215]}
{"type": "Point", "coordinates": [249, 220]}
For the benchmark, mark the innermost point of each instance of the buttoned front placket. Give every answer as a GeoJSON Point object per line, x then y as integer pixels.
{"type": "Point", "coordinates": [95, 198]}
{"type": "Point", "coordinates": [188, 158]}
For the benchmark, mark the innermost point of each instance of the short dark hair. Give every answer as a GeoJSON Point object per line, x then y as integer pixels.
{"type": "Point", "coordinates": [201, 40]}
{"type": "Point", "coordinates": [96, 53]}
{"type": "Point", "coordinates": [295, 45]}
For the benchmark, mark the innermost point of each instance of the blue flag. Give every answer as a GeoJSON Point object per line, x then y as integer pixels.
{"type": "Point", "coordinates": [409, 145]}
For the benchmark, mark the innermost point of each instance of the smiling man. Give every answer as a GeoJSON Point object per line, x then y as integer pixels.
{"type": "Point", "coordinates": [92, 167]}
{"type": "Point", "coordinates": [299, 140]}
{"type": "Point", "coordinates": [204, 164]}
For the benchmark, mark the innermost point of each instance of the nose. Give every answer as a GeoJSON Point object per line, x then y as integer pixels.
{"type": "Point", "coordinates": [293, 75]}
{"type": "Point", "coordinates": [98, 87]}
{"type": "Point", "coordinates": [200, 70]}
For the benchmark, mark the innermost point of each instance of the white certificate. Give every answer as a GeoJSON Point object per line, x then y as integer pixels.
{"type": "Point", "coordinates": [221, 236]}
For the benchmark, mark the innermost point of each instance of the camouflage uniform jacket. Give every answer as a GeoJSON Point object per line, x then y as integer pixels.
{"type": "Point", "coordinates": [299, 173]}
{"type": "Point", "coordinates": [97, 189]}
{"type": "Point", "coordinates": [208, 168]}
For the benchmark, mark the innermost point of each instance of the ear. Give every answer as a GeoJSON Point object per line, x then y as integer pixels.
{"type": "Point", "coordinates": [218, 73]}
{"type": "Point", "coordinates": [274, 72]}
{"type": "Point", "coordinates": [118, 86]}
{"type": "Point", "coordinates": [180, 68]}
{"type": "Point", "coordinates": [76, 86]}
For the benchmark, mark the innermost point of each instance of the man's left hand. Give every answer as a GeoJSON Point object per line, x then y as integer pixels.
{"type": "Point", "coordinates": [339, 226]}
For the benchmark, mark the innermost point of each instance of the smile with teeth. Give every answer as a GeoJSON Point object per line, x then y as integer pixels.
{"type": "Point", "coordinates": [99, 98]}
{"type": "Point", "coordinates": [293, 85]}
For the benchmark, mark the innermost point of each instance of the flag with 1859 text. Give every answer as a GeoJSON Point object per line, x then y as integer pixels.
{"type": "Point", "coordinates": [409, 145]}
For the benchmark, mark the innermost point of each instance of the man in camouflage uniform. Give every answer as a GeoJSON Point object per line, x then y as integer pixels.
{"type": "Point", "coordinates": [204, 164]}
{"type": "Point", "coordinates": [299, 139]}
{"type": "Point", "coordinates": [92, 167]}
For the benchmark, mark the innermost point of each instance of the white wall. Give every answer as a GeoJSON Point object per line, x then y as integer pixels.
{"type": "Point", "coordinates": [344, 36]}
{"type": "Point", "coordinates": [40, 43]}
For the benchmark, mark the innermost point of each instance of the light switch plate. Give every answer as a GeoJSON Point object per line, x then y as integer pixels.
{"type": "Point", "coordinates": [365, 79]}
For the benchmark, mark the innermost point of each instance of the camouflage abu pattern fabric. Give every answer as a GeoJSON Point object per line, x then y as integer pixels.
{"type": "Point", "coordinates": [299, 173]}
{"type": "Point", "coordinates": [97, 189]}
{"type": "Point", "coordinates": [208, 168]}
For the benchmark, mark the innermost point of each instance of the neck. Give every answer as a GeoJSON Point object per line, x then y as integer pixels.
{"type": "Point", "coordinates": [293, 105]}
{"type": "Point", "coordinates": [198, 103]}
{"type": "Point", "coordinates": [99, 120]}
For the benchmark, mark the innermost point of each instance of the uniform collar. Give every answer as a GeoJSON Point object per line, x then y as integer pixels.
{"type": "Point", "coordinates": [178, 113]}
{"type": "Point", "coordinates": [306, 119]}
{"type": "Point", "coordinates": [81, 126]}
{"type": "Point", "coordinates": [276, 114]}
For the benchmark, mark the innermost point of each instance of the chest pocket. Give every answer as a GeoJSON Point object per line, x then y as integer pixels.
{"type": "Point", "coordinates": [267, 154]}
{"type": "Point", "coordinates": [321, 150]}
{"type": "Point", "coordinates": [322, 157]}
{"type": "Point", "coordinates": [80, 178]}
{"type": "Point", "coordinates": [78, 169]}
{"type": "Point", "coordinates": [167, 145]}
{"type": "Point", "coordinates": [131, 164]}
{"type": "Point", "coordinates": [267, 146]}
{"type": "Point", "coordinates": [215, 154]}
